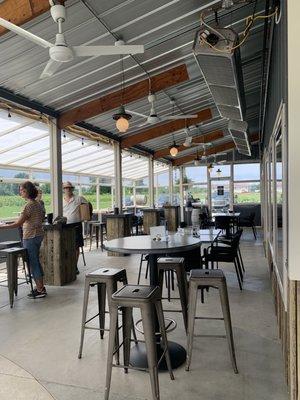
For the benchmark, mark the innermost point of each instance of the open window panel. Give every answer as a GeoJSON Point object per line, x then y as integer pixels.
{"type": "Point", "coordinates": [276, 200]}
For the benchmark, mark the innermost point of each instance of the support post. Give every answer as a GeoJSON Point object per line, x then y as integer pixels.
{"type": "Point", "coordinates": [56, 169]}
{"type": "Point", "coordinates": [231, 187]}
{"type": "Point", "coordinates": [181, 194]}
{"type": "Point", "coordinates": [151, 181]}
{"type": "Point", "coordinates": [171, 190]}
{"type": "Point", "coordinates": [209, 203]}
{"type": "Point", "coordinates": [118, 176]}
{"type": "Point", "coordinates": [97, 194]}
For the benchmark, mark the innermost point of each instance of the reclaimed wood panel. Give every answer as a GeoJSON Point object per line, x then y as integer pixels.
{"type": "Point", "coordinates": [58, 256]}
{"type": "Point", "coordinates": [150, 218]}
{"type": "Point", "coordinates": [118, 226]}
{"type": "Point", "coordinates": [172, 217]}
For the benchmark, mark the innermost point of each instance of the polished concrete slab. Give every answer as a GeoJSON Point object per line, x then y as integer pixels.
{"type": "Point", "coordinates": [41, 338]}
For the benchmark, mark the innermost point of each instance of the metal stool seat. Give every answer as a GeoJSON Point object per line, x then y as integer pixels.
{"type": "Point", "coordinates": [106, 280]}
{"type": "Point", "coordinates": [166, 266]}
{"type": "Point", "coordinates": [209, 278]}
{"type": "Point", "coordinates": [10, 243]}
{"type": "Point", "coordinates": [12, 255]}
{"type": "Point", "coordinates": [147, 299]}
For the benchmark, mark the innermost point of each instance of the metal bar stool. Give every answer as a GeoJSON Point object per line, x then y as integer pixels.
{"type": "Point", "coordinates": [106, 280]}
{"type": "Point", "coordinates": [147, 298]}
{"type": "Point", "coordinates": [216, 279]}
{"type": "Point", "coordinates": [12, 255]}
{"type": "Point", "coordinates": [166, 267]}
{"type": "Point", "coordinates": [144, 258]}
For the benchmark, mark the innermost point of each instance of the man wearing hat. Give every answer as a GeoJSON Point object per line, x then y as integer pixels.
{"type": "Point", "coordinates": [71, 210]}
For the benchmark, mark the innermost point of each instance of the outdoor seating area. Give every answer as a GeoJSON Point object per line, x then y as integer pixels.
{"type": "Point", "coordinates": [149, 191]}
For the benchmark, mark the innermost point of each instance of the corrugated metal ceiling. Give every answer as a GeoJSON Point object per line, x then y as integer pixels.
{"type": "Point", "coordinates": [167, 31]}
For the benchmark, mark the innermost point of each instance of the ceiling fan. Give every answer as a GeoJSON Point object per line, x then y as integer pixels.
{"type": "Point", "coordinates": [154, 118]}
{"type": "Point", "coordinates": [60, 52]}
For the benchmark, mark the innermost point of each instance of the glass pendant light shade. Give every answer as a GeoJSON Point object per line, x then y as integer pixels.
{"type": "Point", "coordinates": [122, 124]}
{"type": "Point", "coordinates": [174, 150]}
{"type": "Point", "coordinates": [219, 172]}
{"type": "Point", "coordinates": [122, 118]}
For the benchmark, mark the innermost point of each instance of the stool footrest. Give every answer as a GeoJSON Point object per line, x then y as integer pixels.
{"type": "Point", "coordinates": [93, 328]}
{"type": "Point", "coordinates": [130, 367]}
{"type": "Point", "coordinates": [213, 318]}
{"type": "Point", "coordinates": [212, 336]}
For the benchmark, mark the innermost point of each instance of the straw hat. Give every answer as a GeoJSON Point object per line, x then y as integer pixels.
{"type": "Point", "coordinates": [67, 184]}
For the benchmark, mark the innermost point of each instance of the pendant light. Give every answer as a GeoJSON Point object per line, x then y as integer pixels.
{"type": "Point", "coordinates": [174, 148]}
{"type": "Point", "coordinates": [210, 167]}
{"type": "Point", "coordinates": [219, 172]}
{"type": "Point", "coordinates": [197, 160]}
{"type": "Point", "coordinates": [122, 117]}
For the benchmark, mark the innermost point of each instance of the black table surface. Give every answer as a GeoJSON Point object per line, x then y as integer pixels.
{"type": "Point", "coordinates": [144, 244]}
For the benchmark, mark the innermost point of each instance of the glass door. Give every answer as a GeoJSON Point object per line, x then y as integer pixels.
{"type": "Point", "coordinates": [220, 194]}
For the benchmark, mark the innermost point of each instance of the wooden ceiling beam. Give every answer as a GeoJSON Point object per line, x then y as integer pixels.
{"type": "Point", "coordinates": [163, 129]}
{"type": "Point", "coordinates": [21, 11]}
{"type": "Point", "coordinates": [213, 150]}
{"type": "Point", "coordinates": [206, 138]}
{"type": "Point", "coordinates": [131, 93]}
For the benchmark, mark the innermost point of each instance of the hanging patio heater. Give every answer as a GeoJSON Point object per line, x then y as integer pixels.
{"type": "Point", "coordinates": [220, 64]}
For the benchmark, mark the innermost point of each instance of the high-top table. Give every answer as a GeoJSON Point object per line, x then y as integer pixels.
{"type": "Point", "coordinates": [146, 245]}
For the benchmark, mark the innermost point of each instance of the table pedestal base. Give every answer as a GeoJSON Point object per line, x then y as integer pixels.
{"type": "Point", "coordinates": [138, 356]}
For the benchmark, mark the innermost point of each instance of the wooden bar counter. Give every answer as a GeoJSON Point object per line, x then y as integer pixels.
{"type": "Point", "coordinates": [57, 254]}
{"type": "Point", "coordinates": [150, 218]}
{"type": "Point", "coordinates": [118, 226]}
{"type": "Point", "coordinates": [172, 216]}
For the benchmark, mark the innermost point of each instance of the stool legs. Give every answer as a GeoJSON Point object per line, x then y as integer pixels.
{"type": "Point", "coordinates": [182, 287]}
{"type": "Point", "coordinates": [193, 291]}
{"type": "Point", "coordinates": [150, 342]}
{"type": "Point", "coordinates": [227, 321]}
{"type": "Point", "coordinates": [101, 288]}
{"type": "Point", "coordinates": [84, 313]}
{"type": "Point", "coordinates": [111, 346]}
{"type": "Point", "coordinates": [127, 323]}
{"type": "Point", "coordinates": [110, 289]}
{"type": "Point", "coordinates": [161, 321]}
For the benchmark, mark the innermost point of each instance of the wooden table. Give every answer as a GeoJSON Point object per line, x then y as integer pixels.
{"type": "Point", "coordinates": [146, 245]}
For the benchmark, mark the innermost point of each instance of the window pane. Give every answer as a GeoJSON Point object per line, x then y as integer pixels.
{"type": "Point", "coordinates": [142, 196]}
{"type": "Point", "coordinates": [195, 174]}
{"type": "Point", "coordinates": [10, 201]}
{"type": "Point", "coordinates": [246, 172]}
{"type": "Point", "coordinates": [278, 194]}
{"type": "Point", "coordinates": [220, 195]}
{"type": "Point", "coordinates": [247, 192]}
{"type": "Point", "coordinates": [105, 197]}
{"type": "Point", "coordinates": [89, 193]}
{"type": "Point", "coordinates": [225, 171]}
{"type": "Point", "coordinates": [128, 196]}
{"type": "Point", "coordinates": [199, 193]}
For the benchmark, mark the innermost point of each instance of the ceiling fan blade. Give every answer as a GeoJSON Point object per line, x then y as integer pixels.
{"type": "Point", "coordinates": [50, 69]}
{"type": "Point", "coordinates": [93, 51]}
{"type": "Point", "coordinates": [25, 34]}
{"type": "Point", "coordinates": [182, 116]}
{"type": "Point", "coordinates": [136, 113]}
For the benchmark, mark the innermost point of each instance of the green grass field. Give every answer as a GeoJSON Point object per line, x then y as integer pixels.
{"type": "Point", "coordinates": [10, 206]}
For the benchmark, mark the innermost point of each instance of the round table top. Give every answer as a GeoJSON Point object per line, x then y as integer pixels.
{"type": "Point", "coordinates": [145, 245]}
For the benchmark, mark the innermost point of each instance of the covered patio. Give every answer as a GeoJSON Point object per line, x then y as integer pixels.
{"type": "Point", "coordinates": [175, 123]}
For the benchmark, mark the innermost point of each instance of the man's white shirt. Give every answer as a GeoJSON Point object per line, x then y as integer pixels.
{"type": "Point", "coordinates": [71, 209]}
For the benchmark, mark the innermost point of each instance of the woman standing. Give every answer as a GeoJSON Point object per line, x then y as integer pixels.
{"type": "Point", "coordinates": [31, 220]}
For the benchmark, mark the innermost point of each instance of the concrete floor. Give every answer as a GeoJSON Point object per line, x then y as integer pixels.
{"type": "Point", "coordinates": [40, 339]}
